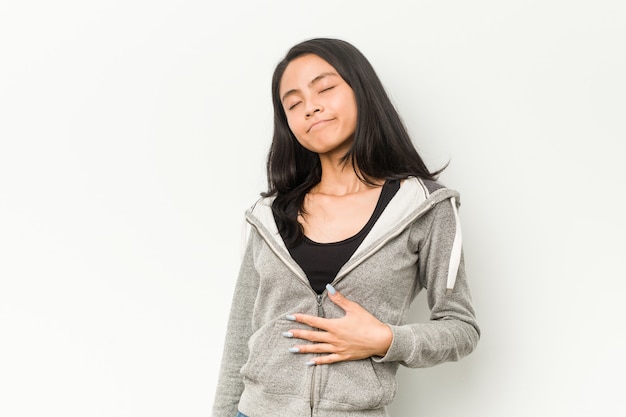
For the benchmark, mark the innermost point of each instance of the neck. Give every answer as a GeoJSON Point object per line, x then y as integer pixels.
{"type": "Point", "coordinates": [339, 178]}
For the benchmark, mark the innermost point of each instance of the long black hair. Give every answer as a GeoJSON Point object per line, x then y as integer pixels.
{"type": "Point", "coordinates": [382, 148]}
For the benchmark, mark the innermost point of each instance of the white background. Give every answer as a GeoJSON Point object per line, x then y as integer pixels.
{"type": "Point", "coordinates": [133, 137]}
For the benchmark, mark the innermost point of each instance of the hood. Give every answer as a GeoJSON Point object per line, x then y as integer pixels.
{"type": "Point", "coordinates": [414, 198]}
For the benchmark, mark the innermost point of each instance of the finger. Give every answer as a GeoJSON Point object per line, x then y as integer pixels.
{"type": "Point", "coordinates": [313, 348]}
{"type": "Point", "coordinates": [310, 335]}
{"type": "Point", "coordinates": [338, 298]}
{"type": "Point", "coordinates": [327, 359]}
{"type": "Point", "coordinates": [312, 321]}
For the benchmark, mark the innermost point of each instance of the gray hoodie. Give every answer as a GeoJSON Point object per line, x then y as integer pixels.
{"type": "Point", "coordinates": [414, 245]}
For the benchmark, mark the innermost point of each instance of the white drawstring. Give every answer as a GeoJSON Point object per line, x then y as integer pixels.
{"type": "Point", "coordinates": [455, 254]}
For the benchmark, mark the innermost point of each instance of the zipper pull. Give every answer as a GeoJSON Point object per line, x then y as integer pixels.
{"type": "Point", "coordinates": [320, 309]}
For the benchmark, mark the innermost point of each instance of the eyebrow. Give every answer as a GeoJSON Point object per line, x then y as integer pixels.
{"type": "Point", "coordinates": [313, 81]}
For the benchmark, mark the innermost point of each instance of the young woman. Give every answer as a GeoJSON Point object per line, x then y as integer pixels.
{"type": "Point", "coordinates": [352, 227]}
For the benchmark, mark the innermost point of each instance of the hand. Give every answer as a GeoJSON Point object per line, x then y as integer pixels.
{"type": "Point", "coordinates": [357, 335]}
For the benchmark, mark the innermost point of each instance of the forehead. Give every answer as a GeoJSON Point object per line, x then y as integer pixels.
{"type": "Point", "coordinates": [302, 70]}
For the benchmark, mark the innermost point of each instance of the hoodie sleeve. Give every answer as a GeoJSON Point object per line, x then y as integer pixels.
{"type": "Point", "coordinates": [452, 331]}
{"type": "Point", "coordinates": [239, 330]}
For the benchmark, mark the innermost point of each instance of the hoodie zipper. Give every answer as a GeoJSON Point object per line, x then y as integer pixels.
{"type": "Point", "coordinates": [320, 309]}
{"type": "Point", "coordinates": [320, 313]}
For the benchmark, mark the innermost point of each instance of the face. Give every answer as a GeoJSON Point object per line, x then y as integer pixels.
{"type": "Point", "coordinates": [320, 106]}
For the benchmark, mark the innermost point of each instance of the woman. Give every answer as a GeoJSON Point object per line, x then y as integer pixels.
{"type": "Point", "coordinates": [352, 227]}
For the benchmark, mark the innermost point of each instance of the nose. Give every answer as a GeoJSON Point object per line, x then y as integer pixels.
{"type": "Point", "coordinates": [313, 109]}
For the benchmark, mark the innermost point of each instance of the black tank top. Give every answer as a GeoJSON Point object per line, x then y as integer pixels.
{"type": "Point", "coordinates": [322, 261]}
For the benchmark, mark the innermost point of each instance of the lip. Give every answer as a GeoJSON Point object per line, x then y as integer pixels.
{"type": "Point", "coordinates": [317, 123]}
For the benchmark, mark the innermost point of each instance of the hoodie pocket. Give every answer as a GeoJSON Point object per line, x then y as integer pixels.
{"type": "Point", "coordinates": [358, 384]}
{"type": "Point", "coordinates": [272, 367]}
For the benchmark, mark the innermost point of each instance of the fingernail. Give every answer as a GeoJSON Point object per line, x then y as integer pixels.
{"type": "Point", "coordinates": [310, 363]}
{"type": "Point", "coordinates": [290, 317]}
{"type": "Point", "coordinates": [331, 289]}
{"type": "Point", "coordinates": [294, 350]}
{"type": "Point", "coordinates": [288, 334]}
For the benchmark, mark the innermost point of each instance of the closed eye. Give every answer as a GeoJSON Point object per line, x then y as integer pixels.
{"type": "Point", "coordinates": [293, 106]}
{"type": "Point", "coordinates": [328, 88]}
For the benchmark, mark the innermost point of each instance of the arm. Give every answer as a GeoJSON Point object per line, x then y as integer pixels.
{"type": "Point", "coordinates": [452, 331]}
{"type": "Point", "coordinates": [239, 330]}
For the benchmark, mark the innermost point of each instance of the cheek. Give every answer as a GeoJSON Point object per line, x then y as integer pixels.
{"type": "Point", "coordinates": [294, 125]}
{"type": "Point", "coordinates": [291, 125]}
{"type": "Point", "coordinates": [348, 104]}
{"type": "Point", "coordinates": [354, 114]}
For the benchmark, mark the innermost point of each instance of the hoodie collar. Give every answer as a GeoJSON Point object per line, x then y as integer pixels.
{"type": "Point", "coordinates": [414, 198]}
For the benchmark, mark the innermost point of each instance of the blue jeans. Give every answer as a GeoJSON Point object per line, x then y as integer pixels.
{"type": "Point", "coordinates": [241, 415]}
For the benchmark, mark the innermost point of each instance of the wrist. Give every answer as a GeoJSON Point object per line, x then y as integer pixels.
{"type": "Point", "coordinates": [384, 341]}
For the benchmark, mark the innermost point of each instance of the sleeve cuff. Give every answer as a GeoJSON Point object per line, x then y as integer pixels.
{"type": "Point", "coordinates": [402, 347]}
